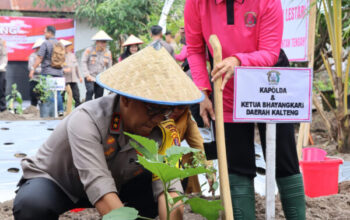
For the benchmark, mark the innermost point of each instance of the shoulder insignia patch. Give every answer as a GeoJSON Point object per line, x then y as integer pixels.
{"type": "Point", "coordinates": [115, 123]}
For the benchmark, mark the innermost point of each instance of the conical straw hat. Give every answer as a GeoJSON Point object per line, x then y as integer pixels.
{"type": "Point", "coordinates": [151, 75]}
{"type": "Point", "coordinates": [101, 35]}
{"type": "Point", "coordinates": [38, 43]}
{"type": "Point", "coordinates": [65, 42]}
{"type": "Point", "coordinates": [132, 40]}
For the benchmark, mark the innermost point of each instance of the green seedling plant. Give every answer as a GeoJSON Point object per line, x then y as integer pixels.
{"type": "Point", "coordinates": [13, 98]}
{"type": "Point", "coordinates": [167, 168]}
{"type": "Point", "coordinates": [42, 89]}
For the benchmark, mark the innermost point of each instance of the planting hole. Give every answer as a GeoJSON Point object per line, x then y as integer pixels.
{"type": "Point", "coordinates": [50, 129]}
{"type": "Point", "coordinates": [42, 122]}
{"type": "Point", "coordinates": [257, 156]}
{"type": "Point", "coordinates": [20, 155]}
{"type": "Point", "coordinates": [5, 129]}
{"type": "Point", "coordinates": [8, 143]}
{"type": "Point", "coordinates": [261, 171]}
{"type": "Point", "coordinates": [13, 170]}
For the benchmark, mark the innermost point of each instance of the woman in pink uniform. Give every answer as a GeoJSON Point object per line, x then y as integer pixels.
{"type": "Point", "coordinates": [250, 33]}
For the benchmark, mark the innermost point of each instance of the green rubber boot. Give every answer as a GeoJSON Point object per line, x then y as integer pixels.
{"type": "Point", "coordinates": [243, 197]}
{"type": "Point", "coordinates": [291, 189]}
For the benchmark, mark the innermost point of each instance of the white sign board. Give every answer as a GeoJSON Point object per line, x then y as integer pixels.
{"type": "Point", "coordinates": [295, 29]}
{"type": "Point", "coordinates": [268, 94]}
{"type": "Point", "coordinates": [56, 83]}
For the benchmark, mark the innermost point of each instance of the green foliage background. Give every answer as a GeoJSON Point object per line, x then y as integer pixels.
{"type": "Point", "coordinates": [120, 18]}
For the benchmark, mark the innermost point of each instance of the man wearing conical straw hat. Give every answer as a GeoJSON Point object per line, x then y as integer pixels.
{"type": "Point", "coordinates": [88, 161]}
{"type": "Point", "coordinates": [95, 60]}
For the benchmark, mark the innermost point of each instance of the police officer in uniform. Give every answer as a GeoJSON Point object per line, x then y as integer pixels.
{"type": "Point", "coordinates": [35, 80]}
{"type": "Point", "coordinates": [71, 72]}
{"type": "Point", "coordinates": [89, 161]}
{"type": "Point", "coordinates": [95, 60]}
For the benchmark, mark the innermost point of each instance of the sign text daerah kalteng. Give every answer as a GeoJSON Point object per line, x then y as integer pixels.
{"type": "Point", "coordinates": [272, 94]}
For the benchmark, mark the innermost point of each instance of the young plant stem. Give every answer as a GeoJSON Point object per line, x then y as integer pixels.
{"type": "Point", "coordinates": [166, 201]}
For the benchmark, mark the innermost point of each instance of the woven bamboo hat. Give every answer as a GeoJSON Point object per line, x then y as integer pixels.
{"type": "Point", "coordinates": [38, 43]}
{"type": "Point", "coordinates": [101, 35]}
{"type": "Point", "coordinates": [65, 42]}
{"type": "Point", "coordinates": [132, 40]}
{"type": "Point", "coordinates": [151, 75]}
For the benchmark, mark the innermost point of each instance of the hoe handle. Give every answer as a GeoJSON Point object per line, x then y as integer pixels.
{"type": "Point", "coordinates": [220, 133]}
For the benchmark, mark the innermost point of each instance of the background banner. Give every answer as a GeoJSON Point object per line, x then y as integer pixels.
{"type": "Point", "coordinates": [295, 29]}
{"type": "Point", "coordinates": [20, 33]}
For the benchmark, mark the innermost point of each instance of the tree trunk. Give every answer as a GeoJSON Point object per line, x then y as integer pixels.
{"type": "Point", "coordinates": [164, 15]}
{"type": "Point", "coordinates": [344, 141]}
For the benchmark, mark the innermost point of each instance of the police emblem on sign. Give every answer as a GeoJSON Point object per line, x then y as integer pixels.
{"type": "Point", "coordinates": [250, 19]}
{"type": "Point", "coordinates": [273, 77]}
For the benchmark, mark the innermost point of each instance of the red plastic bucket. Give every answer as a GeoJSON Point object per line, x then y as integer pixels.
{"type": "Point", "coordinates": [321, 177]}
{"type": "Point", "coordinates": [313, 154]}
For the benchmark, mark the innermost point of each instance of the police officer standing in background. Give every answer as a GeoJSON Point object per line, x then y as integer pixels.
{"type": "Point", "coordinates": [71, 72]}
{"type": "Point", "coordinates": [3, 64]}
{"type": "Point", "coordinates": [35, 79]}
{"type": "Point", "coordinates": [95, 60]}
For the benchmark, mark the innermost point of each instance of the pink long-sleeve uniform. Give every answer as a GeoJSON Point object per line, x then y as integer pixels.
{"type": "Point", "coordinates": [254, 38]}
{"type": "Point", "coordinates": [182, 55]}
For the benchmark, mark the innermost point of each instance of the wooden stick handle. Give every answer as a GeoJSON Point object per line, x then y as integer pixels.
{"type": "Point", "coordinates": [220, 134]}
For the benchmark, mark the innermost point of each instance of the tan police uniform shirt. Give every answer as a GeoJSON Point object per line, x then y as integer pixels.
{"type": "Point", "coordinates": [72, 75]}
{"type": "Point", "coordinates": [88, 154]}
{"type": "Point", "coordinates": [94, 62]}
{"type": "Point", "coordinates": [3, 56]}
{"type": "Point", "coordinates": [31, 61]}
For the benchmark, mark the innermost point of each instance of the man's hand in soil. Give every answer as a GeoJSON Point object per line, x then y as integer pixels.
{"type": "Point", "coordinates": [107, 203]}
{"type": "Point", "coordinates": [227, 67]}
{"type": "Point", "coordinates": [205, 109]}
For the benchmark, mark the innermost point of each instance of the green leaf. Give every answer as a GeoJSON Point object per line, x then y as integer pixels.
{"type": "Point", "coordinates": [143, 151]}
{"type": "Point", "coordinates": [174, 159]}
{"type": "Point", "coordinates": [19, 99]}
{"type": "Point", "coordinates": [166, 172]}
{"type": "Point", "coordinates": [180, 150]}
{"type": "Point", "coordinates": [208, 209]}
{"type": "Point", "coordinates": [203, 184]}
{"type": "Point", "coordinates": [178, 198]}
{"type": "Point", "coordinates": [123, 213]}
{"type": "Point", "coordinates": [149, 144]}
{"type": "Point", "coordinates": [215, 185]}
